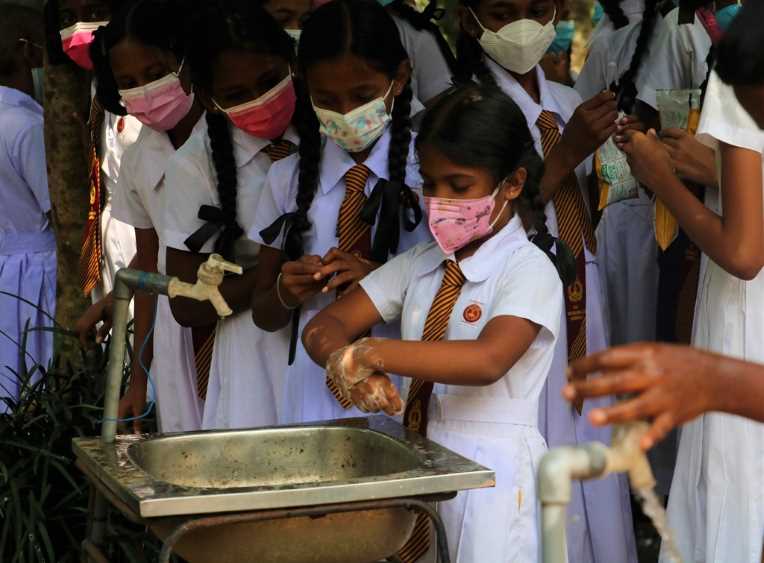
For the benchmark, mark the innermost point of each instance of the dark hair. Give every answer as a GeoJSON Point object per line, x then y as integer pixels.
{"type": "Point", "coordinates": [478, 125]}
{"type": "Point", "coordinates": [469, 55]}
{"type": "Point", "coordinates": [18, 22]}
{"type": "Point", "coordinates": [627, 89]}
{"type": "Point", "coordinates": [216, 27]}
{"type": "Point", "coordinates": [151, 22]}
{"type": "Point", "coordinates": [365, 29]}
{"type": "Point", "coordinates": [425, 21]}
{"type": "Point", "coordinates": [740, 58]}
{"type": "Point", "coordinates": [53, 46]}
{"type": "Point", "coordinates": [614, 12]}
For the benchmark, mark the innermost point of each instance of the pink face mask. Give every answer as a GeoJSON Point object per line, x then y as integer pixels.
{"type": "Point", "coordinates": [455, 223]}
{"type": "Point", "coordinates": [76, 40]}
{"type": "Point", "coordinates": [268, 116]}
{"type": "Point", "coordinates": [160, 104]}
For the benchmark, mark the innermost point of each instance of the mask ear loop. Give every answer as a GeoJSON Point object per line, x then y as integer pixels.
{"type": "Point", "coordinates": [503, 207]}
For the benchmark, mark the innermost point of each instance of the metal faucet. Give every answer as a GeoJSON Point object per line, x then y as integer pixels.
{"type": "Point", "coordinates": [126, 282]}
{"type": "Point", "coordinates": [594, 460]}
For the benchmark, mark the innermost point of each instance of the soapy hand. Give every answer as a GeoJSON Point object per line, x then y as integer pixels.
{"type": "Point", "coordinates": [377, 393]}
{"type": "Point", "coordinates": [353, 364]}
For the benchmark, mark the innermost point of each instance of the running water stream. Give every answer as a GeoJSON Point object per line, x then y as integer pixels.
{"type": "Point", "coordinates": [654, 510]}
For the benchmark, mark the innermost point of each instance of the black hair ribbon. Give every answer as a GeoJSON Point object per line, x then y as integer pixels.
{"type": "Point", "coordinates": [214, 222]}
{"type": "Point", "coordinates": [269, 233]}
{"type": "Point", "coordinates": [385, 201]}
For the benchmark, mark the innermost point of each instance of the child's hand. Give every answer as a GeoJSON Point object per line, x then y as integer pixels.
{"type": "Point", "coordinates": [133, 403]}
{"type": "Point", "coordinates": [297, 281]}
{"type": "Point", "coordinates": [649, 160]}
{"type": "Point", "coordinates": [98, 312]}
{"type": "Point", "coordinates": [353, 364]}
{"type": "Point", "coordinates": [590, 126]}
{"type": "Point", "coordinates": [627, 123]}
{"type": "Point", "coordinates": [672, 384]}
{"type": "Point", "coordinates": [344, 269]}
{"type": "Point", "coordinates": [377, 393]}
{"type": "Point", "coordinates": [692, 159]}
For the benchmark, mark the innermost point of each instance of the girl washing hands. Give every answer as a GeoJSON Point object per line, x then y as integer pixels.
{"type": "Point", "coordinates": [471, 387]}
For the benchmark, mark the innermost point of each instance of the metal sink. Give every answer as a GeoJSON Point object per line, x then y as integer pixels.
{"type": "Point", "coordinates": [169, 480]}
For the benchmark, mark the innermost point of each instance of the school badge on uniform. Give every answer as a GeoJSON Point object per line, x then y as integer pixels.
{"type": "Point", "coordinates": [472, 313]}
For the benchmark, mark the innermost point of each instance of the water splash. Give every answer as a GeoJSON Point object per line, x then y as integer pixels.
{"type": "Point", "coordinates": [654, 510]}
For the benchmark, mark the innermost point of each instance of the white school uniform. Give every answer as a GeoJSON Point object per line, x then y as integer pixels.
{"type": "Point", "coordinates": [716, 506]}
{"type": "Point", "coordinates": [306, 397]}
{"type": "Point", "coordinates": [495, 425]}
{"type": "Point", "coordinates": [117, 134]}
{"type": "Point", "coordinates": [677, 60]}
{"type": "Point", "coordinates": [626, 245]}
{"type": "Point", "coordinates": [138, 202]}
{"type": "Point", "coordinates": [431, 75]}
{"type": "Point", "coordinates": [599, 515]}
{"type": "Point", "coordinates": [632, 9]}
{"type": "Point", "coordinates": [247, 362]}
{"type": "Point", "coordinates": [27, 243]}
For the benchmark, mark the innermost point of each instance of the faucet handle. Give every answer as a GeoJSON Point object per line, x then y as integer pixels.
{"type": "Point", "coordinates": [216, 263]}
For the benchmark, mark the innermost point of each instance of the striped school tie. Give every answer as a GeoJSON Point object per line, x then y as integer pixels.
{"type": "Point", "coordinates": [91, 253]}
{"type": "Point", "coordinates": [415, 415]}
{"type": "Point", "coordinates": [354, 235]}
{"type": "Point", "coordinates": [204, 337]}
{"type": "Point", "coordinates": [575, 227]}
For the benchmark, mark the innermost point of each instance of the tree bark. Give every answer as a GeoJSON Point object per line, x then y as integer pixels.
{"type": "Point", "coordinates": [66, 97]}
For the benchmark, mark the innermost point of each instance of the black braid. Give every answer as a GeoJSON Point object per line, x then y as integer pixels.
{"type": "Point", "coordinates": [710, 60]}
{"type": "Point", "coordinates": [627, 84]}
{"type": "Point", "coordinates": [106, 88]}
{"type": "Point", "coordinates": [221, 144]}
{"type": "Point", "coordinates": [310, 158]}
{"type": "Point", "coordinates": [400, 137]}
{"type": "Point", "coordinates": [471, 62]}
{"type": "Point", "coordinates": [614, 11]}
{"type": "Point", "coordinates": [421, 21]}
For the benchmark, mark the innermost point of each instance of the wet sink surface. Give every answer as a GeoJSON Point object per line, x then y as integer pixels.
{"type": "Point", "coordinates": [272, 458]}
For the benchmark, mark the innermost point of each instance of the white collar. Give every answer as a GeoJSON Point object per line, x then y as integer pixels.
{"type": "Point", "coordinates": [246, 146]}
{"type": "Point", "coordinates": [336, 161]}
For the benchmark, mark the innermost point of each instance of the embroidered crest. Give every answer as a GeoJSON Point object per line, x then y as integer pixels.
{"type": "Point", "coordinates": [472, 313]}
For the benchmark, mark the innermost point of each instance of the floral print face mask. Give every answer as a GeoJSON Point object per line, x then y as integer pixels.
{"type": "Point", "coordinates": [357, 130]}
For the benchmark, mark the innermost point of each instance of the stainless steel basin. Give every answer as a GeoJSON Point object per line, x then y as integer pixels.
{"type": "Point", "coordinates": [272, 458]}
{"type": "Point", "coordinates": [168, 480]}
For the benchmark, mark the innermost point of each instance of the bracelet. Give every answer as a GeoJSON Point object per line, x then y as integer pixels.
{"type": "Point", "coordinates": [281, 299]}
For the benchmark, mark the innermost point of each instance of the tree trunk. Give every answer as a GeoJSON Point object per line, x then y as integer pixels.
{"type": "Point", "coordinates": [66, 98]}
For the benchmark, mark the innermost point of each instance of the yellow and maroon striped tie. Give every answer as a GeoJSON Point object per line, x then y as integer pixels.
{"type": "Point", "coordinates": [204, 336]}
{"type": "Point", "coordinates": [575, 228]}
{"type": "Point", "coordinates": [353, 234]}
{"type": "Point", "coordinates": [92, 245]}
{"type": "Point", "coordinates": [415, 415]}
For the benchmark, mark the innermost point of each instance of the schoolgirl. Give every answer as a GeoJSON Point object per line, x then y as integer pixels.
{"type": "Point", "coordinates": [616, 14]}
{"type": "Point", "coordinates": [343, 205]}
{"type": "Point", "coordinates": [501, 43]}
{"type": "Point", "coordinates": [431, 58]}
{"type": "Point", "coordinates": [457, 298]}
{"type": "Point", "coordinates": [289, 14]}
{"type": "Point", "coordinates": [715, 507]}
{"type": "Point", "coordinates": [139, 71]}
{"type": "Point", "coordinates": [241, 65]}
{"type": "Point", "coordinates": [108, 244]}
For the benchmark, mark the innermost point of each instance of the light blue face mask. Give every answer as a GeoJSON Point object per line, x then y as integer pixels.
{"type": "Point", "coordinates": [725, 16]}
{"type": "Point", "coordinates": [385, 2]}
{"type": "Point", "coordinates": [39, 84]}
{"type": "Point", "coordinates": [565, 30]}
{"type": "Point", "coordinates": [597, 14]}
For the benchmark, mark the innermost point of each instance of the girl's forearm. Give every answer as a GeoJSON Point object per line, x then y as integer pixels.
{"type": "Point", "coordinates": [739, 386]}
{"type": "Point", "coordinates": [267, 311]}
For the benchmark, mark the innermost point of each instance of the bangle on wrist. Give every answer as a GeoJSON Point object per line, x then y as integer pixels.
{"type": "Point", "coordinates": [281, 299]}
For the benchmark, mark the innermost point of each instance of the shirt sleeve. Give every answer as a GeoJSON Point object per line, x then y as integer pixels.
{"type": "Point", "coordinates": [724, 120]}
{"type": "Point", "coordinates": [431, 69]}
{"type": "Point", "coordinates": [387, 285]}
{"type": "Point", "coordinates": [30, 156]}
{"type": "Point", "coordinates": [188, 186]}
{"type": "Point", "coordinates": [277, 198]}
{"type": "Point", "coordinates": [591, 79]}
{"type": "Point", "coordinates": [531, 289]}
{"type": "Point", "coordinates": [127, 205]}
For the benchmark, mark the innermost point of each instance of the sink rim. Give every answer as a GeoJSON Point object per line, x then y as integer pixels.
{"type": "Point", "coordinates": [439, 471]}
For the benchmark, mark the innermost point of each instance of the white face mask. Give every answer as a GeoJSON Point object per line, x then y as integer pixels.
{"type": "Point", "coordinates": [294, 34]}
{"type": "Point", "coordinates": [518, 46]}
{"type": "Point", "coordinates": [357, 130]}
{"type": "Point", "coordinates": [39, 85]}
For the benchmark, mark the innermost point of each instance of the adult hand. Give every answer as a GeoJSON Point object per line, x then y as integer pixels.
{"type": "Point", "coordinates": [671, 385]}
{"type": "Point", "coordinates": [649, 160]}
{"type": "Point", "coordinates": [377, 393]}
{"type": "Point", "coordinates": [593, 122]}
{"type": "Point", "coordinates": [297, 280]}
{"type": "Point", "coordinates": [98, 312]}
{"type": "Point", "coordinates": [345, 270]}
{"type": "Point", "coordinates": [692, 159]}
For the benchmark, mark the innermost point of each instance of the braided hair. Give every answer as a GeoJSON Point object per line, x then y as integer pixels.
{"type": "Point", "coordinates": [151, 22]}
{"type": "Point", "coordinates": [627, 88]}
{"type": "Point", "coordinates": [613, 10]}
{"type": "Point", "coordinates": [365, 29]}
{"type": "Point", "coordinates": [216, 27]}
{"type": "Point", "coordinates": [470, 62]}
{"type": "Point", "coordinates": [477, 125]}
{"type": "Point", "coordinates": [425, 21]}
